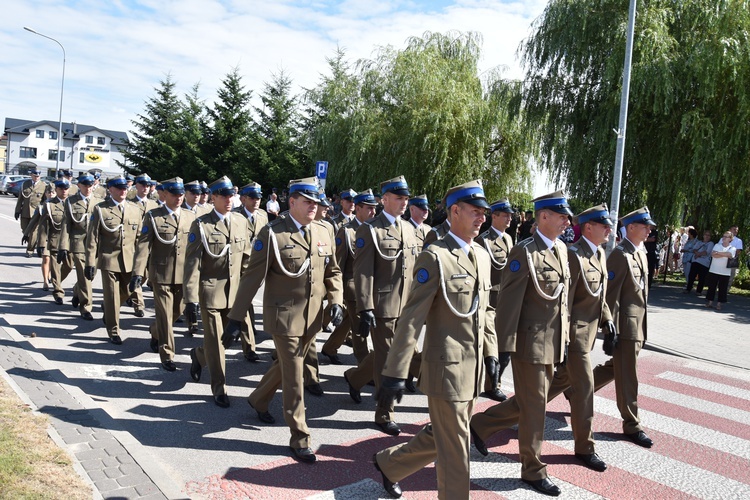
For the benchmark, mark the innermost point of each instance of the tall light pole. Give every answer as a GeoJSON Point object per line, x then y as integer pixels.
{"type": "Point", "coordinates": [62, 86]}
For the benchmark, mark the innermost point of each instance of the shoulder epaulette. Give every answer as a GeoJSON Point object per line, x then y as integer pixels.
{"type": "Point", "coordinates": [276, 221]}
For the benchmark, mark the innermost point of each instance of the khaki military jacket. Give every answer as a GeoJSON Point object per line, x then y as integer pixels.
{"type": "Point", "coordinates": [588, 291]}
{"type": "Point", "coordinates": [162, 244]}
{"type": "Point", "coordinates": [298, 277]}
{"type": "Point", "coordinates": [30, 197]}
{"type": "Point", "coordinates": [260, 219]}
{"type": "Point", "coordinates": [77, 216]}
{"type": "Point", "coordinates": [215, 260]}
{"type": "Point", "coordinates": [340, 220]}
{"type": "Point", "coordinates": [627, 290]}
{"type": "Point", "coordinates": [144, 205]}
{"type": "Point", "coordinates": [345, 246]}
{"type": "Point", "coordinates": [383, 265]}
{"type": "Point", "coordinates": [446, 283]}
{"type": "Point", "coordinates": [111, 236]}
{"type": "Point", "coordinates": [437, 233]}
{"type": "Point", "coordinates": [100, 192]}
{"type": "Point", "coordinates": [533, 318]}
{"type": "Point", "coordinates": [198, 210]}
{"type": "Point", "coordinates": [50, 224]}
{"type": "Point", "coordinates": [73, 190]}
{"type": "Point", "coordinates": [35, 222]}
{"type": "Point", "coordinates": [421, 232]}
{"type": "Point", "coordinates": [498, 247]}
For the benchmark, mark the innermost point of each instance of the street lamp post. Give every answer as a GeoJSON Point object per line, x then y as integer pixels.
{"type": "Point", "coordinates": [62, 86]}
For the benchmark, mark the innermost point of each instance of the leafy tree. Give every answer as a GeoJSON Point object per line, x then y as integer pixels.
{"type": "Point", "coordinates": [687, 144]}
{"type": "Point", "coordinates": [188, 146]}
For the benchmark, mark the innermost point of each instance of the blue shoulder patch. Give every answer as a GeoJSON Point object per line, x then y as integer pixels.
{"type": "Point", "coordinates": [611, 275]}
{"type": "Point", "coordinates": [191, 238]}
{"type": "Point", "coordinates": [145, 229]}
{"type": "Point", "coordinates": [258, 246]}
{"type": "Point", "coordinates": [360, 242]}
{"type": "Point", "coordinates": [423, 275]}
{"type": "Point", "coordinates": [514, 266]}
{"type": "Point", "coordinates": [338, 241]}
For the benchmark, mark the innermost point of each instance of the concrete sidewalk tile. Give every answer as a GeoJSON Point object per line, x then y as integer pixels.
{"type": "Point", "coordinates": [113, 472]}
{"type": "Point", "coordinates": [105, 485]}
{"type": "Point", "coordinates": [133, 479]}
{"type": "Point", "coordinates": [92, 465]}
{"type": "Point", "coordinates": [91, 455]}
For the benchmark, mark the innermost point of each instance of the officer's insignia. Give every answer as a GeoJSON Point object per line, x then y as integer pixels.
{"type": "Point", "coordinates": [144, 230]}
{"type": "Point", "coordinates": [191, 238]}
{"type": "Point", "coordinates": [338, 241]}
{"type": "Point", "coordinates": [258, 246]}
{"type": "Point", "coordinates": [514, 265]}
{"type": "Point", "coordinates": [423, 275]}
{"type": "Point", "coordinates": [611, 275]}
{"type": "Point", "coordinates": [360, 242]}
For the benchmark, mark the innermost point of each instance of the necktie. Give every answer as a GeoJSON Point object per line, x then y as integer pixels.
{"type": "Point", "coordinates": [473, 259]}
{"type": "Point", "coordinates": [226, 223]}
{"type": "Point", "coordinates": [306, 234]}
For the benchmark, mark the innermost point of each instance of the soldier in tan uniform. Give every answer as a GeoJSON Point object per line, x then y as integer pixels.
{"type": "Point", "coordinates": [162, 245]}
{"type": "Point", "coordinates": [33, 192]}
{"type": "Point", "coordinates": [450, 294]}
{"type": "Point", "coordinates": [438, 232]}
{"type": "Point", "coordinates": [386, 249]}
{"type": "Point", "coordinates": [218, 252]}
{"type": "Point", "coordinates": [110, 246]}
{"type": "Point", "coordinates": [193, 192]}
{"type": "Point", "coordinates": [295, 256]}
{"type": "Point", "coordinates": [68, 176]}
{"type": "Point", "coordinates": [627, 298]}
{"type": "Point", "coordinates": [347, 210]}
{"type": "Point", "coordinates": [139, 196]}
{"type": "Point", "coordinates": [419, 210]}
{"type": "Point", "coordinates": [534, 329]}
{"type": "Point", "coordinates": [498, 243]}
{"type": "Point", "coordinates": [99, 191]}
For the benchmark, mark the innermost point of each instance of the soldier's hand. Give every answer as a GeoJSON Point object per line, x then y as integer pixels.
{"type": "Point", "coordinates": [231, 333]}
{"type": "Point", "coordinates": [17, 215]}
{"type": "Point", "coordinates": [610, 337]}
{"type": "Point", "coordinates": [391, 389]}
{"type": "Point", "coordinates": [191, 312]}
{"type": "Point", "coordinates": [24, 239]}
{"type": "Point", "coordinates": [39, 251]}
{"type": "Point", "coordinates": [89, 272]}
{"type": "Point", "coordinates": [135, 282]}
{"type": "Point", "coordinates": [366, 321]}
{"type": "Point", "coordinates": [337, 314]}
{"type": "Point", "coordinates": [492, 365]}
{"type": "Point", "coordinates": [62, 256]}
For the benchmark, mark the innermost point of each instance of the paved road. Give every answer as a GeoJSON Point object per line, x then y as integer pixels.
{"type": "Point", "coordinates": [140, 432]}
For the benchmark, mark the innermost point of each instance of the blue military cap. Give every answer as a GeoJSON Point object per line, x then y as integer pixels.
{"type": "Point", "coordinates": [62, 183]}
{"type": "Point", "coordinates": [96, 172]}
{"type": "Point", "coordinates": [143, 179]}
{"type": "Point", "coordinates": [194, 187]}
{"type": "Point", "coordinates": [599, 213]}
{"type": "Point", "coordinates": [640, 216]}
{"type": "Point", "coordinates": [173, 185]}
{"type": "Point", "coordinates": [397, 185]}
{"type": "Point", "coordinates": [86, 179]}
{"type": "Point", "coordinates": [204, 188]}
{"type": "Point", "coordinates": [420, 201]}
{"type": "Point", "coordinates": [470, 192]}
{"type": "Point", "coordinates": [117, 181]}
{"type": "Point", "coordinates": [129, 178]}
{"type": "Point", "coordinates": [366, 198]}
{"type": "Point", "coordinates": [35, 171]}
{"type": "Point", "coordinates": [222, 187]}
{"type": "Point", "coordinates": [307, 187]}
{"type": "Point", "coordinates": [556, 202]}
{"type": "Point", "coordinates": [349, 194]}
{"type": "Point", "coordinates": [324, 199]}
{"type": "Point", "coordinates": [501, 205]}
{"type": "Point", "coordinates": [252, 190]}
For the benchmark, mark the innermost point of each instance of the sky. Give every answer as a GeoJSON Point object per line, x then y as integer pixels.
{"type": "Point", "coordinates": [117, 51]}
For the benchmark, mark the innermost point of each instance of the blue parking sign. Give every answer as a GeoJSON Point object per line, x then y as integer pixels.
{"type": "Point", "coordinates": [321, 169]}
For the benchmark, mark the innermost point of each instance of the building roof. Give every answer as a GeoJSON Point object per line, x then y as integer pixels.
{"type": "Point", "coordinates": [18, 126]}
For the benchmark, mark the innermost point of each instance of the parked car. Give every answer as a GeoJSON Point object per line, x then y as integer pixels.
{"type": "Point", "coordinates": [14, 187]}
{"type": "Point", "coordinates": [5, 179]}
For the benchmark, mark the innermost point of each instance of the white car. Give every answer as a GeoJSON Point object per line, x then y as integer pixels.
{"type": "Point", "coordinates": [5, 179]}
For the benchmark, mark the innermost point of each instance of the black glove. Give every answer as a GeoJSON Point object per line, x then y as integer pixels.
{"type": "Point", "coordinates": [492, 365]}
{"type": "Point", "coordinates": [610, 337]}
{"type": "Point", "coordinates": [17, 215]}
{"type": "Point", "coordinates": [391, 389]}
{"type": "Point", "coordinates": [135, 282]}
{"type": "Point", "coordinates": [89, 272]}
{"type": "Point", "coordinates": [565, 356]}
{"type": "Point", "coordinates": [231, 333]}
{"type": "Point", "coordinates": [366, 321]}
{"type": "Point", "coordinates": [191, 312]}
{"type": "Point", "coordinates": [39, 251]}
{"type": "Point", "coordinates": [337, 314]}
{"type": "Point", "coordinates": [24, 239]}
{"type": "Point", "coordinates": [62, 256]}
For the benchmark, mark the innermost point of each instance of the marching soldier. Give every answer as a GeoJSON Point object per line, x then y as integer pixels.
{"type": "Point", "coordinates": [419, 210]}
{"type": "Point", "coordinates": [295, 257]}
{"type": "Point", "coordinates": [450, 294]}
{"type": "Point", "coordinates": [347, 210]}
{"type": "Point", "coordinates": [162, 244]}
{"type": "Point", "coordinates": [203, 201]}
{"type": "Point", "coordinates": [33, 193]}
{"type": "Point", "coordinates": [78, 209]}
{"type": "Point", "coordinates": [140, 198]}
{"type": "Point", "coordinates": [110, 246]}
{"type": "Point", "coordinates": [627, 298]}
{"type": "Point", "coordinates": [193, 192]}
{"type": "Point", "coordinates": [68, 176]}
{"type": "Point", "coordinates": [438, 232]}
{"type": "Point", "coordinates": [99, 191]}
{"type": "Point", "coordinates": [218, 250]}
{"type": "Point", "coordinates": [498, 243]}
{"type": "Point", "coordinates": [364, 209]}
{"type": "Point", "coordinates": [386, 249]}
{"type": "Point", "coordinates": [534, 329]}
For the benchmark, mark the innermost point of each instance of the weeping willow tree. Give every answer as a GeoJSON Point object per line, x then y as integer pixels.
{"type": "Point", "coordinates": [423, 112]}
{"type": "Point", "coordinates": [688, 145]}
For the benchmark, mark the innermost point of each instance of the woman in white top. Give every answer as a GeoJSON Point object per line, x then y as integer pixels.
{"type": "Point", "coordinates": [718, 273]}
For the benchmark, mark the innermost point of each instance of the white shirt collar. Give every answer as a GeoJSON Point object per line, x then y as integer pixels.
{"type": "Point", "coordinates": [465, 246]}
{"type": "Point", "coordinates": [593, 247]}
{"type": "Point", "coordinates": [499, 233]}
{"type": "Point", "coordinates": [546, 240]}
{"type": "Point", "coordinates": [222, 217]}
{"type": "Point", "coordinates": [249, 213]}
{"type": "Point", "coordinates": [299, 226]}
{"type": "Point", "coordinates": [390, 218]}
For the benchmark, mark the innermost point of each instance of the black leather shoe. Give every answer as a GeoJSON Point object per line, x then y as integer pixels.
{"type": "Point", "coordinates": [304, 455]}
{"type": "Point", "coordinates": [195, 366]}
{"type": "Point", "coordinates": [495, 395]}
{"type": "Point", "coordinates": [45, 287]}
{"type": "Point", "coordinates": [222, 401]}
{"type": "Point", "coordinates": [353, 393]}
{"type": "Point", "coordinates": [390, 428]}
{"type": "Point", "coordinates": [87, 316]}
{"type": "Point", "coordinates": [116, 339]}
{"type": "Point", "coordinates": [138, 313]}
{"type": "Point", "coordinates": [333, 359]}
{"type": "Point", "coordinates": [263, 416]}
{"type": "Point", "coordinates": [544, 486]}
{"type": "Point", "coordinates": [76, 301]}
{"type": "Point", "coordinates": [58, 301]}
{"type": "Point", "coordinates": [314, 389]}
{"type": "Point", "coordinates": [392, 488]}
{"type": "Point", "coordinates": [641, 439]}
{"type": "Point", "coordinates": [478, 442]}
{"type": "Point", "coordinates": [252, 356]}
{"type": "Point", "coordinates": [129, 302]}
{"type": "Point", "coordinates": [154, 345]}
{"type": "Point", "coordinates": [592, 461]}
{"type": "Point", "coordinates": [169, 365]}
{"type": "Point", "coordinates": [410, 385]}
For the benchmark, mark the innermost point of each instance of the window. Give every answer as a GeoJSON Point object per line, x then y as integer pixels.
{"type": "Point", "coordinates": [100, 141]}
{"type": "Point", "coordinates": [40, 134]}
{"type": "Point", "coordinates": [89, 139]}
{"type": "Point", "coordinates": [81, 157]}
{"type": "Point", "coordinates": [27, 152]}
{"type": "Point", "coordinates": [52, 155]}
{"type": "Point", "coordinates": [52, 135]}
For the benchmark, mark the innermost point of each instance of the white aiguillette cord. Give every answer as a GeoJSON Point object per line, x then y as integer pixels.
{"type": "Point", "coordinates": [475, 303]}
{"type": "Point", "coordinates": [558, 289]}
{"type": "Point", "coordinates": [275, 245]}
{"type": "Point", "coordinates": [120, 227]}
{"type": "Point", "coordinates": [170, 242]}
{"type": "Point", "coordinates": [585, 281]}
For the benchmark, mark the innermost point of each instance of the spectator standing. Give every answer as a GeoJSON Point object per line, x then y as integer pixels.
{"type": "Point", "coordinates": [272, 207]}
{"type": "Point", "coordinates": [736, 243]}
{"type": "Point", "coordinates": [652, 254]}
{"type": "Point", "coordinates": [688, 250]}
{"type": "Point", "coordinates": [525, 229]}
{"type": "Point", "coordinates": [719, 273]}
{"type": "Point", "coordinates": [701, 262]}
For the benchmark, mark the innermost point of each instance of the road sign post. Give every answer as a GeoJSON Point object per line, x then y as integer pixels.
{"type": "Point", "coordinates": [321, 172]}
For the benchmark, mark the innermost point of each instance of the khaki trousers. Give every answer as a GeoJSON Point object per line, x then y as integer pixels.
{"type": "Point", "coordinates": [59, 272]}
{"type": "Point", "coordinates": [82, 287]}
{"type": "Point", "coordinates": [115, 291]}
{"type": "Point", "coordinates": [212, 352]}
{"type": "Point", "coordinates": [31, 245]}
{"type": "Point", "coordinates": [247, 333]}
{"type": "Point", "coordinates": [167, 301]}
{"type": "Point", "coordinates": [445, 439]}
{"type": "Point", "coordinates": [622, 368]}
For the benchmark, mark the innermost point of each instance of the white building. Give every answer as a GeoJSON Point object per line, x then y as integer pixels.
{"type": "Point", "coordinates": [84, 147]}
